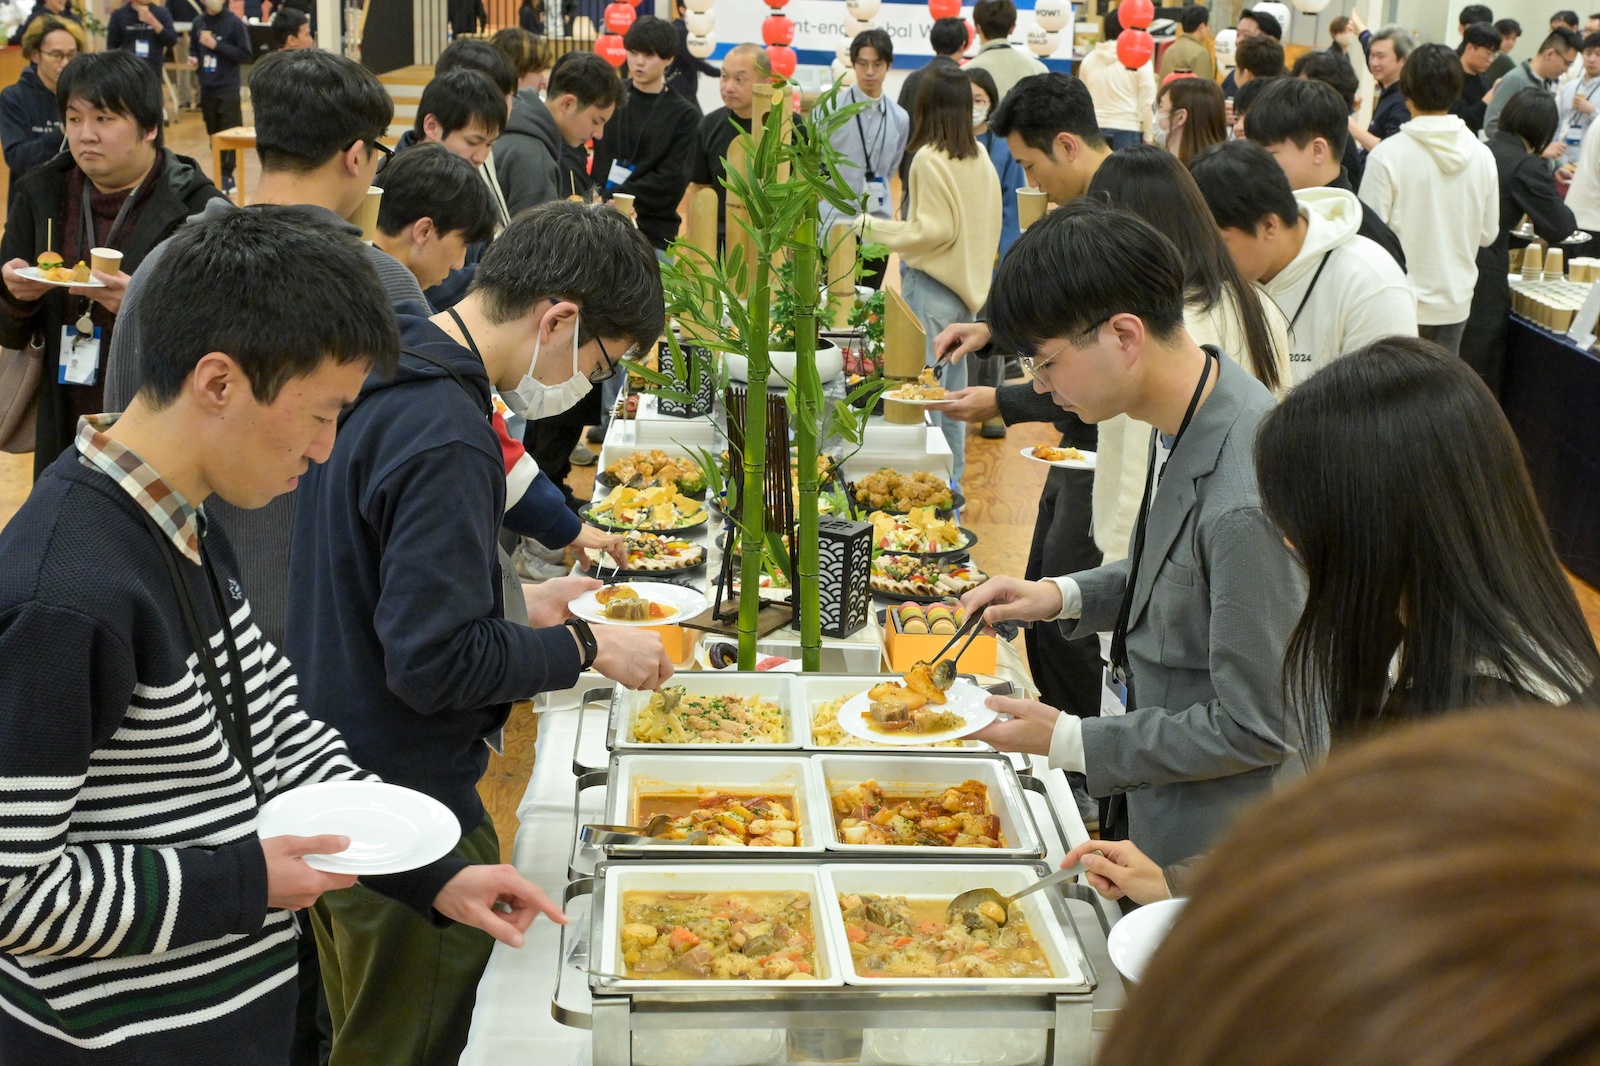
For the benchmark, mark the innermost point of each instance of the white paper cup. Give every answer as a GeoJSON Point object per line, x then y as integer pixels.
{"type": "Point", "coordinates": [1031, 204]}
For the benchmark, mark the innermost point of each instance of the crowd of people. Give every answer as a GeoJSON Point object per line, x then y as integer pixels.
{"type": "Point", "coordinates": [285, 541]}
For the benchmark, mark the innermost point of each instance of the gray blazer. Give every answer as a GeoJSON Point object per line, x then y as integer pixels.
{"type": "Point", "coordinates": [1217, 596]}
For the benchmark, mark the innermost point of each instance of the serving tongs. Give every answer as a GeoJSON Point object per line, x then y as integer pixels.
{"type": "Point", "coordinates": [944, 670]}
{"type": "Point", "coordinates": [649, 833]}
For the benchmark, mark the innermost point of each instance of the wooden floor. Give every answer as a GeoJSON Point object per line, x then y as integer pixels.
{"type": "Point", "coordinates": [1001, 513]}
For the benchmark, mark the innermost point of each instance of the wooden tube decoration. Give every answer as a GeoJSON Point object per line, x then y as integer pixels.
{"type": "Point", "coordinates": [905, 348]}
{"type": "Point", "coordinates": [842, 273]}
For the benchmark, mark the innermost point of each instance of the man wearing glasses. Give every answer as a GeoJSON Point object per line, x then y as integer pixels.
{"type": "Point", "coordinates": [396, 610]}
{"type": "Point", "coordinates": [1202, 608]}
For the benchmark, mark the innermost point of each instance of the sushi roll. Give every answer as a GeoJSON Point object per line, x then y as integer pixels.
{"type": "Point", "coordinates": [912, 620]}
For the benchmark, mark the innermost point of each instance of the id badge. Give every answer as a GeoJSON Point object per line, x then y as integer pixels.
{"type": "Point", "coordinates": [877, 197]}
{"type": "Point", "coordinates": [141, 48]}
{"type": "Point", "coordinates": [80, 357]}
{"type": "Point", "coordinates": [1114, 699]}
{"type": "Point", "coordinates": [618, 175]}
{"type": "Point", "coordinates": [209, 63]}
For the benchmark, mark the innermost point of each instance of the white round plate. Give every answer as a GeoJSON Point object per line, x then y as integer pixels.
{"type": "Point", "coordinates": [35, 274]}
{"type": "Point", "coordinates": [891, 396]}
{"type": "Point", "coordinates": [1086, 463]}
{"type": "Point", "coordinates": [391, 828]}
{"type": "Point", "coordinates": [687, 601]}
{"type": "Point", "coordinates": [1136, 936]}
{"type": "Point", "coordinates": [963, 697]}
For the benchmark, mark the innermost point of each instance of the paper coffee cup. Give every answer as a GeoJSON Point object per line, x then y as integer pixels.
{"type": "Point", "coordinates": [1031, 204]}
{"type": "Point", "coordinates": [366, 216]}
{"type": "Point", "coordinates": [1532, 262]}
{"type": "Point", "coordinates": [106, 260]}
{"type": "Point", "coordinates": [623, 201]}
{"type": "Point", "coordinates": [1554, 264]}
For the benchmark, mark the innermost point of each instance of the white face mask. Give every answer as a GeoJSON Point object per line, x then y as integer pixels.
{"type": "Point", "coordinates": [980, 115]}
{"type": "Point", "coordinates": [539, 400]}
{"type": "Point", "coordinates": [214, 7]}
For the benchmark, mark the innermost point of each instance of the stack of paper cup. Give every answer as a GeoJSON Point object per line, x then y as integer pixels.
{"type": "Point", "coordinates": [1555, 265]}
{"type": "Point", "coordinates": [1533, 263]}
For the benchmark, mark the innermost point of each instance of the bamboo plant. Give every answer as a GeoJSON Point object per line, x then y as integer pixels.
{"type": "Point", "coordinates": [726, 302]}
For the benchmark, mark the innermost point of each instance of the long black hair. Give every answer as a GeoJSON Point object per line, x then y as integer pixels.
{"type": "Point", "coordinates": [1398, 482]}
{"type": "Point", "coordinates": [1154, 185]}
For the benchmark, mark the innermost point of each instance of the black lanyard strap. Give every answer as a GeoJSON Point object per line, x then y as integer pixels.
{"type": "Point", "coordinates": [883, 136]}
{"type": "Point", "coordinates": [1310, 287]}
{"type": "Point", "coordinates": [230, 702]}
{"type": "Point", "coordinates": [1119, 636]}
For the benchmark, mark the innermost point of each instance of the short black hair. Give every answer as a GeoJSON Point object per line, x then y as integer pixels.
{"type": "Point", "coordinates": [286, 23]}
{"type": "Point", "coordinates": [1266, 20]}
{"type": "Point", "coordinates": [1569, 17]}
{"type": "Point", "coordinates": [585, 77]}
{"type": "Point", "coordinates": [1041, 106]}
{"type": "Point", "coordinates": [1078, 266]}
{"type": "Point", "coordinates": [877, 40]}
{"type": "Point", "coordinates": [310, 105]}
{"type": "Point", "coordinates": [652, 36]}
{"type": "Point", "coordinates": [1561, 38]}
{"type": "Point", "coordinates": [115, 82]}
{"type": "Point", "coordinates": [1482, 35]}
{"type": "Point", "coordinates": [1243, 184]}
{"type": "Point", "coordinates": [459, 98]}
{"type": "Point", "coordinates": [1508, 28]}
{"type": "Point", "coordinates": [948, 37]}
{"type": "Point", "coordinates": [1299, 110]}
{"type": "Point", "coordinates": [429, 181]}
{"type": "Point", "coordinates": [1245, 96]}
{"type": "Point", "coordinates": [1261, 56]}
{"type": "Point", "coordinates": [208, 297]}
{"type": "Point", "coordinates": [1474, 13]}
{"type": "Point", "coordinates": [590, 254]}
{"type": "Point", "coordinates": [1432, 77]}
{"type": "Point", "coordinates": [1532, 115]}
{"type": "Point", "coordinates": [1330, 68]}
{"type": "Point", "coordinates": [1591, 41]}
{"type": "Point", "coordinates": [1194, 16]}
{"type": "Point", "coordinates": [995, 19]}
{"type": "Point", "coordinates": [469, 53]}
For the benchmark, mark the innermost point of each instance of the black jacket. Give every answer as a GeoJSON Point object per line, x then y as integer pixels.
{"type": "Point", "coordinates": [654, 134]}
{"type": "Point", "coordinates": [39, 11]}
{"type": "Point", "coordinates": [1373, 228]}
{"type": "Point", "coordinates": [232, 50]}
{"type": "Point", "coordinates": [125, 32]}
{"type": "Point", "coordinates": [1527, 188]}
{"type": "Point", "coordinates": [683, 77]}
{"type": "Point", "coordinates": [1389, 113]}
{"type": "Point", "coordinates": [182, 190]}
{"type": "Point", "coordinates": [30, 126]}
{"type": "Point", "coordinates": [466, 16]}
{"type": "Point", "coordinates": [1469, 106]}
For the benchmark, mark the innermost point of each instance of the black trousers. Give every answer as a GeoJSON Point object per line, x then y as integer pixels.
{"type": "Point", "coordinates": [221, 111]}
{"type": "Point", "coordinates": [1066, 671]}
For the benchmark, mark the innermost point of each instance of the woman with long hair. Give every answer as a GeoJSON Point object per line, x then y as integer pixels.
{"type": "Point", "coordinates": [1222, 308]}
{"type": "Point", "coordinates": [1432, 582]}
{"type": "Point", "coordinates": [951, 232]}
{"type": "Point", "coordinates": [1190, 117]}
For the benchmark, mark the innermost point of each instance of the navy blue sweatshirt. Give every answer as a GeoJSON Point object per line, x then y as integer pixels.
{"type": "Point", "coordinates": [30, 125]}
{"type": "Point", "coordinates": [218, 71]}
{"type": "Point", "coordinates": [396, 621]}
{"type": "Point", "coordinates": [125, 32]}
{"type": "Point", "coordinates": [40, 11]}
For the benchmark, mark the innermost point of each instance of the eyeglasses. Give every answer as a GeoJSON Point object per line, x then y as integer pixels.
{"type": "Point", "coordinates": [373, 145]}
{"type": "Point", "coordinates": [60, 57]}
{"type": "Point", "coordinates": [610, 370]}
{"type": "Point", "coordinates": [1033, 365]}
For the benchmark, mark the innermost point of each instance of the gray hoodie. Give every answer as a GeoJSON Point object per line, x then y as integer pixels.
{"type": "Point", "coordinates": [526, 153]}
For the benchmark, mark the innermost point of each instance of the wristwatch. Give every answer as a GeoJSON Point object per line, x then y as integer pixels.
{"type": "Point", "coordinates": [585, 635]}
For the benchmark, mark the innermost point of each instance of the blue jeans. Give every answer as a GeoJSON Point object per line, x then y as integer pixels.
{"type": "Point", "coordinates": [1120, 139]}
{"type": "Point", "coordinates": [936, 307]}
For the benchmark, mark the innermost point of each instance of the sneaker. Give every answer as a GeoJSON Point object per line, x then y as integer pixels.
{"type": "Point", "coordinates": [596, 435]}
{"type": "Point", "coordinates": [582, 456]}
{"type": "Point", "coordinates": [993, 429]}
{"type": "Point", "coordinates": [228, 185]}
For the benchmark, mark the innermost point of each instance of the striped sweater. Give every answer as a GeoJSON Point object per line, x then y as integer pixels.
{"type": "Point", "coordinates": [134, 924]}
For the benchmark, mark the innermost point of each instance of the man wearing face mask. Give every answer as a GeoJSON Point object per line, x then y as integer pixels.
{"type": "Point", "coordinates": [219, 43]}
{"type": "Point", "coordinates": [395, 604]}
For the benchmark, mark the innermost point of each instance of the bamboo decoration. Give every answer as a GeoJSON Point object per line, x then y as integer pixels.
{"type": "Point", "coordinates": [905, 347]}
{"type": "Point", "coordinates": [703, 245]}
{"type": "Point", "coordinates": [842, 273]}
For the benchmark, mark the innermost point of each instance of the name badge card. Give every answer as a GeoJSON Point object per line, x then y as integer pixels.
{"type": "Point", "coordinates": [80, 357]}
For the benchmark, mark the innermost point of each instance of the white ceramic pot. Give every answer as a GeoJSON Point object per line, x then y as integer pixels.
{"type": "Point", "coordinates": [830, 364]}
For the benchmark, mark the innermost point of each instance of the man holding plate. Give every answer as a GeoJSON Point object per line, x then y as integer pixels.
{"type": "Point", "coordinates": [1202, 608]}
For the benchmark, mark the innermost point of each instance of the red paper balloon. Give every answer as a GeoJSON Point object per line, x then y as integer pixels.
{"type": "Point", "coordinates": [1136, 14]}
{"type": "Point", "coordinates": [619, 17]}
{"type": "Point", "coordinates": [775, 4]}
{"type": "Point", "coordinates": [634, 3]}
{"type": "Point", "coordinates": [776, 29]}
{"type": "Point", "coordinates": [608, 46]}
{"type": "Point", "coordinates": [944, 9]}
{"type": "Point", "coordinates": [1135, 47]}
{"type": "Point", "coordinates": [782, 59]}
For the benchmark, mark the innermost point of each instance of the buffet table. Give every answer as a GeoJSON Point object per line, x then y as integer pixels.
{"type": "Point", "coordinates": [1551, 395]}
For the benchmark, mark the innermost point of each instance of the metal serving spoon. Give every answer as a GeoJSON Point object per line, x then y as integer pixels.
{"type": "Point", "coordinates": [970, 900]}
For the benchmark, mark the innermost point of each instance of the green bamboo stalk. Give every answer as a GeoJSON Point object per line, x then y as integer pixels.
{"type": "Point", "coordinates": [808, 409]}
{"type": "Point", "coordinates": [753, 504]}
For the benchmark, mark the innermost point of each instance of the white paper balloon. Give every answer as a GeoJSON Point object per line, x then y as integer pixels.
{"type": "Point", "coordinates": [701, 45]}
{"type": "Point", "coordinates": [1275, 9]}
{"type": "Point", "coordinates": [843, 50]}
{"type": "Point", "coordinates": [1053, 14]}
{"type": "Point", "coordinates": [1042, 42]}
{"type": "Point", "coordinates": [700, 23]}
{"type": "Point", "coordinates": [862, 9]}
{"type": "Point", "coordinates": [839, 69]}
{"type": "Point", "coordinates": [1225, 42]}
{"type": "Point", "coordinates": [853, 26]}
{"type": "Point", "coordinates": [1310, 7]}
{"type": "Point", "coordinates": [697, 5]}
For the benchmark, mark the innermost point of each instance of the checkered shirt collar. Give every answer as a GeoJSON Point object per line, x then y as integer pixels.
{"type": "Point", "coordinates": [138, 479]}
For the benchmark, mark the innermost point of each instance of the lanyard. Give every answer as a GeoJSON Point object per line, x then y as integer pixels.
{"type": "Point", "coordinates": [883, 136]}
{"type": "Point", "coordinates": [1307, 296]}
{"type": "Point", "coordinates": [230, 703]}
{"type": "Point", "coordinates": [1119, 636]}
{"type": "Point", "coordinates": [86, 218]}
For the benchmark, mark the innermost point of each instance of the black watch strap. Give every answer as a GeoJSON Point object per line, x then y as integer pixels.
{"type": "Point", "coordinates": [585, 635]}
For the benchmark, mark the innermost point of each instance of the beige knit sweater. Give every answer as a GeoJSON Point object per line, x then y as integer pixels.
{"type": "Point", "coordinates": [953, 232]}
